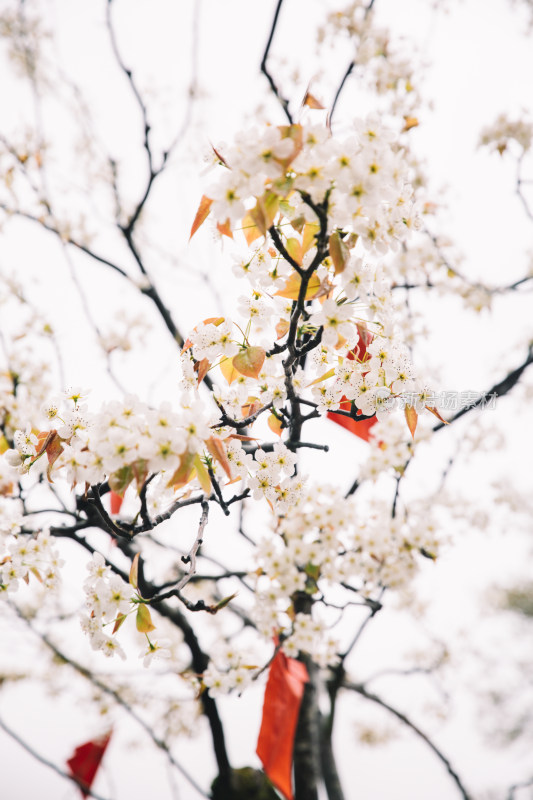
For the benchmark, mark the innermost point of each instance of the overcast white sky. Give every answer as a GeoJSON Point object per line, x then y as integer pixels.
{"type": "Point", "coordinates": [479, 63]}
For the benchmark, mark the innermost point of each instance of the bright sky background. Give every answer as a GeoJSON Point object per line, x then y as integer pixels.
{"type": "Point", "coordinates": [479, 63]}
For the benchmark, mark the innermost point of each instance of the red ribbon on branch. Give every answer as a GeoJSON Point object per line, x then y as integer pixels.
{"type": "Point", "coordinates": [84, 762]}
{"type": "Point", "coordinates": [281, 707]}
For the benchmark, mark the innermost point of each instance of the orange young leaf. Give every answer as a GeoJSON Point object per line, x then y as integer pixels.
{"type": "Point", "coordinates": [202, 368]}
{"type": "Point", "coordinates": [264, 211]}
{"type": "Point", "coordinates": [249, 361]}
{"type": "Point", "coordinates": [410, 122]}
{"type": "Point", "coordinates": [84, 762]}
{"type": "Point", "coordinates": [251, 406]}
{"type": "Point", "coordinates": [218, 451]}
{"type": "Point", "coordinates": [281, 707]}
{"type": "Point", "coordinates": [311, 101]}
{"type": "Point", "coordinates": [339, 252]}
{"type": "Point", "coordinates": [144, 619]}
{"type": "Point", "coordinates": [275, 424]}
{"type": "Point", "coordinates": [282, 328]}
{"type": "Point", "coordinates": [250, 229]}
{"type": "Point", "coordinates": [201, 215]}
{"type": "Point", "coordinates": [224, 228]}
{"type": "Point", "coordinates": [134, 571]}
{"type": "Point", "coordinates": [120, 620]}
{"type": "Point", "coordinates": [295, 133]}
{"type": "Point", "coordinates": [183, 473]}
{"type": "Point", "coordinates": [54, 448]}
{"type": "Point", "coordinates": [412, 418]}
{"type": "Point", "coordinates": [436, 414]}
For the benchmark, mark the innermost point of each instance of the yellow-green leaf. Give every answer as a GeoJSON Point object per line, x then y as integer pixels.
{"type": "Point", "coordinates": [292, 287]}
{"type": "Point", "coordinates": [329, 374]}
{"type": "Point", "coordinates": [294, 249]}
{"type": "Point", "coordinates": [310, 231]}
{"type": "Point", "coordinates": [121, 479]}
{"type": "Point", "coordinates": [203, 474]}
{"type": "Point", "coordinates": [134, 571]}
{"type": "Point", "coordinates": [222, 603]}
{"type": "Point", "coordinates": [228, 370]}
{"type": "Point", "coordinates": [144, 619]}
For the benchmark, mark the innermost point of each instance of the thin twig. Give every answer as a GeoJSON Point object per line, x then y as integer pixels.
{"type": "Point", "coordinates": [360, 689]}
{"type": "Point", "coordinates": [283, 102]}
{"type": "Point", "coordinates": [499, 390]}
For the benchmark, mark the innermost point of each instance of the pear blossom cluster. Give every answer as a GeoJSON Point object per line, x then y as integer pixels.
{"type": "Point", "coordinates": [363, 178]}
{"type": "Point", "coordinates": [24, 555]}
{"type": "Point", "coordinates": [381, 63]}
{"type": "Point", "coordinates": [107, 599]}
{"type": "Point", "coordinates": [504, 130]}
{"type": "Point", "coordinates": [128, 441]}
{"type": "Point", "coordinates": [123, 435]}
{"type": "Point", "coordinates": [389, 450]}
{"type": "Point", "coordinates": [325, 540]}
{"type": "Point", "coordinates": [230, 668]}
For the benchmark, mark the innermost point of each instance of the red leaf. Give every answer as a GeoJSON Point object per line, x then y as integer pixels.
{"type": "Point", "coordinates": [115, 502]}
{"type": "Point", "coordinates": [361, 427]}
{"type": "Point", "coordinates": [84, 762]}
{"type": "Point", "coordinates": [281, 707]}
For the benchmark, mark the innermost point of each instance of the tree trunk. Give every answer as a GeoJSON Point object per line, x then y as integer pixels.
{"type": "Point", "coordinates": [307, 740]}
